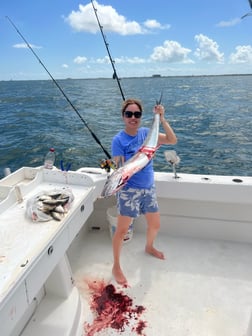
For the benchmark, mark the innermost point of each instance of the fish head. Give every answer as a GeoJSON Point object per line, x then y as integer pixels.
{"type": "Point", "coordinates": [114, 182]}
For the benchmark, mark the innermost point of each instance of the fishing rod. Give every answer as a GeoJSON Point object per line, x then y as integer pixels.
{"type": "Point", "coordinates": [115, 76]}
{"type": "Point", "coordinates": [61, 90]}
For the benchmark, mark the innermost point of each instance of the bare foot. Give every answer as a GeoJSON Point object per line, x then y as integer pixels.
{"type": "Point", "coordinates": [154, 252]}
{"type": "Point", "coordinates": [119, 276]}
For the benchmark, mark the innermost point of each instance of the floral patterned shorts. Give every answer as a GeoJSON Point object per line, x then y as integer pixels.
{"type": "Point", "coordinates": [133, 202]}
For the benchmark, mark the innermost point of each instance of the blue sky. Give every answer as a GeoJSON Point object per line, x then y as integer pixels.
{"type": "Point", "coordinates": [167, 37]}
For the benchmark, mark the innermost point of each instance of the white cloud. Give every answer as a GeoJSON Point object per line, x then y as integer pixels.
{"type": "Point", "coordinates": [154, 24]}
{"type": "Point", "coordinates": [104, 60]}
{"type": "Point", "coordinates": [25, 46]}
{"type": "Point", "coordinates": [121, 60]}
{"type": "Point", "coordinates": [65, 66]}
{"type": "Point", "coordinates": [208, 50]}
{"type": "Point", "coordinates": [243, 54]}
{"type": "Point", "coordinates": [84, 20]}
{"type": "Point", "coordinates": [80, 59]}
{"type": "Point", "coordinates": [230, 23]}
{"type": "Point", "coordinates": [171, 52]}
{"type": "Point", "coordinates": [130, 60]}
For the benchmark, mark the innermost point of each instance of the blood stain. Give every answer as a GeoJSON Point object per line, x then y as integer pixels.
{"type": "Point", "coordinates": [113, 309]}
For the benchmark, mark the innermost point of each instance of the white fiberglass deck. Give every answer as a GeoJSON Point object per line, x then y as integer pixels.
{"type": "Point", "coordinates": [203, 288]}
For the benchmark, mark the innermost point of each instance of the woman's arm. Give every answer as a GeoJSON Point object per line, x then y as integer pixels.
{"type": "Point", "coordinates": [168, 137]}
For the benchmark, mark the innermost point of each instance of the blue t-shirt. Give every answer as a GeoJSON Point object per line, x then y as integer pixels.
{"type": "Point", "coordinates": [127, 145]}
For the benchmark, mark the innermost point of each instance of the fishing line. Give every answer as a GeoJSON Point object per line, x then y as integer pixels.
{"type": "Point", "coordinates": [61, 90]}
{"type": "Point", "coordinates": [108, 51]}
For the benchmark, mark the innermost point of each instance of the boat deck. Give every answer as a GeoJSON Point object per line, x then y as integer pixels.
{"type": "Point", "coordinates": [203, 288]}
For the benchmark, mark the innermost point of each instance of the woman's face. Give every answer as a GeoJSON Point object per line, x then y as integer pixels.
{"type": "Point", "coordinates": [132, 117]}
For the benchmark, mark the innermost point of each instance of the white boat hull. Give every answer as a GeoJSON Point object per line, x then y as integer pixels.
{"type": "Point", "coordinates": [203, 287]}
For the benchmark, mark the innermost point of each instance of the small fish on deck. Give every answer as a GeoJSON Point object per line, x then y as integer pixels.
{"type": "Point", "coordinates": [49, 205]}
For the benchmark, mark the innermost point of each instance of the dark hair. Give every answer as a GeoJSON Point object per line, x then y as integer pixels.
{"type": "Point", "coordinates": [131, 101]}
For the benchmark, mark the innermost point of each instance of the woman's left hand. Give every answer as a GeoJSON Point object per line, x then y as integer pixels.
{"type": "Point", "coordinates": [160, 110]}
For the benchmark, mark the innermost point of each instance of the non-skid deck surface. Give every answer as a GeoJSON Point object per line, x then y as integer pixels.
{"type": "Point", "coordinates": [203, 288]}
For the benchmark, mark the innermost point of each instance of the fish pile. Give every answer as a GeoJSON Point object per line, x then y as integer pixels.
{"type": "Point", "coordinates": [49, 205]}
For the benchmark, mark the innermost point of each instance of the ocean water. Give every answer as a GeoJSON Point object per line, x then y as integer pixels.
{"type": "Point", "coordinates": [212, 117]}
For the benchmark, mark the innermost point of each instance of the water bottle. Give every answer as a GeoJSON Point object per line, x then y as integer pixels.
{"type": "Point", "coordinates": [49, 159]}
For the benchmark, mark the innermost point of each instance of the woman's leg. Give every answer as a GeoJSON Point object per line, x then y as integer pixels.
{"type": "Point", "coordinates": [123, 223]}
{"type": "Point", "coordinates": [153, 226]}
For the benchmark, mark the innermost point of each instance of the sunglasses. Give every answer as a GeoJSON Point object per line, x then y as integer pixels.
{"type": "Point", "coordinates": [130, 114]}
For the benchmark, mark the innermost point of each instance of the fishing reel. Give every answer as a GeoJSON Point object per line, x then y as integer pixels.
{"type": "Point", "coordinates": [108, 164]}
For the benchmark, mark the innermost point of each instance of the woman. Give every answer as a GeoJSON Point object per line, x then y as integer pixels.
{"type": "Point", "coordinates": [138, 196]}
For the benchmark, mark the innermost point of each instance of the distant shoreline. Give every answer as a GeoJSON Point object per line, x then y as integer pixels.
{"type": "Point", "coordinates": [109, 78]}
